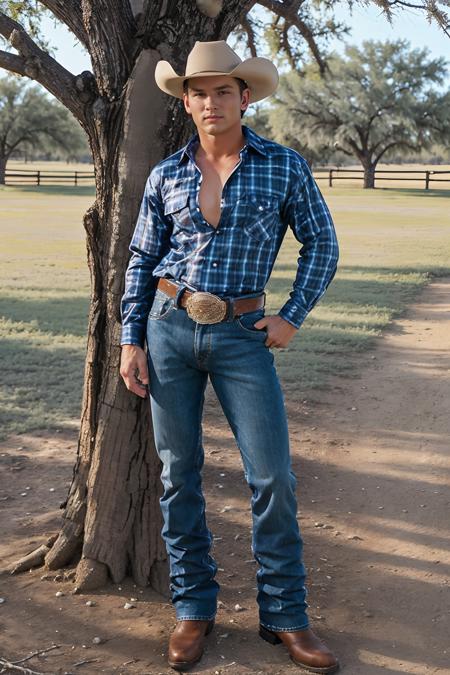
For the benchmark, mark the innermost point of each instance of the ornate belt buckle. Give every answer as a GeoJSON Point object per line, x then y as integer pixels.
{"type": "Point", "coordinates": [204, 307]}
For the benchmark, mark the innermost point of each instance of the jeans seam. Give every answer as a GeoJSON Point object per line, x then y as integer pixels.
{"type": "Point", "coordinates": [196, 617]}
{"type": "Point", "coordinates": [282, 630]}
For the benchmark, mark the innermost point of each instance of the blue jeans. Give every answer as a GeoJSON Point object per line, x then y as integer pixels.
{"type": "Point", "coordinates": [181, 355]}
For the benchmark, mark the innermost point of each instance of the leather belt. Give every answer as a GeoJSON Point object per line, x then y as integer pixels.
{"type": "Point", "coordinates": [204, 307]}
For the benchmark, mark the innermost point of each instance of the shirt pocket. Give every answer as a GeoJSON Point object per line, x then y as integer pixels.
{"type": "Point", "coordinates": [258, 215]}
{"type": "Point", "coordinates": [176, 207]}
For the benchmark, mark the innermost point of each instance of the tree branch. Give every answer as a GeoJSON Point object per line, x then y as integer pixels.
{"type": "Point", "coordinates": [40, 66]}
{"type": "Point", "coordinates": [12, 62]}
{"type": "Point", "coordinates": [69, 12]}
{"type": "Point", "coordinates": [247, 26]}
{"type": "Point", "coordinates": [289, 12]}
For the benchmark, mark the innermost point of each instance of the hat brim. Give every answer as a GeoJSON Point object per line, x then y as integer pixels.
{"type": "Point", "coordinates": [259, 73]}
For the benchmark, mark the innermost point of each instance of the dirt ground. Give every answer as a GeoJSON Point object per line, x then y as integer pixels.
{"type": "Point", "coordinates": [371, 454]}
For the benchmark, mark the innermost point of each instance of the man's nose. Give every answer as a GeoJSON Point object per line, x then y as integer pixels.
{"type": "Point", "coordinates": [210, 102]}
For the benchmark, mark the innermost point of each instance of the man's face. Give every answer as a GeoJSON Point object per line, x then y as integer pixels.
{"type": "Point", "coordinates": [215, 103]}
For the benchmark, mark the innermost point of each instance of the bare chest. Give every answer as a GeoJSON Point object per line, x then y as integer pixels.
{"type": "Point", "coordinates": [214, 177]}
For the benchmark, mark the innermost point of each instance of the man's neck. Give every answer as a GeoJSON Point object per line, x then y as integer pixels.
{"type": "Point", "coordinates": [220, 147]}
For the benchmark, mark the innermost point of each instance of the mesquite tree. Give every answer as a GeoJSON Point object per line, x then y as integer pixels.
{"type": "Point", "coordinates": [111, 520]}
{"type": "Point", "coordinates": [373, 101]}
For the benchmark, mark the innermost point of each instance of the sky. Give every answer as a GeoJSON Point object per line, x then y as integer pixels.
{"type": "Point", "coordinates": [366, 23]}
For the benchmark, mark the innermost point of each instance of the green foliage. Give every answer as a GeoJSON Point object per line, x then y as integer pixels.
{"type": "Point", "coordinates": [30, 120]}
{"type": "Point", "coordinates": [375, 101]}
{"type": "Point", "coordinates": [29, 14]}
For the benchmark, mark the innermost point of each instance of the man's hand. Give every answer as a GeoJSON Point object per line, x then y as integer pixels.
{"type": "Point", "coordinates": [134, 369]}
{"type": "Point", "coordinates": [279, 331]}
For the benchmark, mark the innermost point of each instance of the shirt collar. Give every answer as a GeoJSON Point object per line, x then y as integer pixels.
{"type": "Point", "coordinates": [253, 140]}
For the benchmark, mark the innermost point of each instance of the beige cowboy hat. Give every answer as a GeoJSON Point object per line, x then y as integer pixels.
{"type": "Point", "coordinates": [217, 58]}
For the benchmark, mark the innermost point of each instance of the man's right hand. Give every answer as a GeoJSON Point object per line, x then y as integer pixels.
{"type": "Point", "coordinates": [134, 369]}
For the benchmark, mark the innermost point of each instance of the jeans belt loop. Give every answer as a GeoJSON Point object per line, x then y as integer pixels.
{"type": "Point", "coordinates": [180, 290]}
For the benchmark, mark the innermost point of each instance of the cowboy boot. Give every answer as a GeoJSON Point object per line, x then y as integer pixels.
{"type": "Point", "coordinates": [186, 643]}
{"type": "Point", "coordinates": [305, 649]}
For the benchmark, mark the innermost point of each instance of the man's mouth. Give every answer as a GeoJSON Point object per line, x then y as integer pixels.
{"type": "Point", "coordinates": [213, 117]}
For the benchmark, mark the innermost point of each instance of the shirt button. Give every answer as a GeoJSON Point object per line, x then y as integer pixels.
{"type": "Point", "coordinates": [214, 264]}
{"type": "Point", "coordinates": [260, 208]}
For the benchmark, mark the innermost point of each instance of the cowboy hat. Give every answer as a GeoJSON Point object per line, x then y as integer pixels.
{"type": "Point", "coordinates": [217, 58]}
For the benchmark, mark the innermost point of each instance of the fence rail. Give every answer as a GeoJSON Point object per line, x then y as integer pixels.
{"type": "Point", "coordinates": [428, 175]}
{"type": "Point", "coordinates": [30, 177]}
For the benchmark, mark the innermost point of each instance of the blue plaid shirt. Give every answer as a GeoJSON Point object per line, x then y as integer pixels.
{"type": "Point", "coordinates": [270, 188]}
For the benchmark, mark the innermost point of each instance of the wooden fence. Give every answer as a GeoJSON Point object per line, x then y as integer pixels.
{"type": "Point", "coordinates": [427, 176]}
{"type": "Point", "coordinates": [29, 177]}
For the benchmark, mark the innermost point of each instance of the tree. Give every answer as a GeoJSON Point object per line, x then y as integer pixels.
{"type": "Point", "coordinates": [28, 118]}
{"type": "Point", "coordinates": [373, 102]}
{"type": "Point", "coordinates": [111, 519]}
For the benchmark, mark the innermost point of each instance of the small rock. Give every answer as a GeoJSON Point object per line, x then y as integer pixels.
{"type": "Point", "coordinates": [318, 524]}
{"type": "Point", "coordinates": [129, 605]}
{"type": "Point", "coordinates": [355, 536]}
{"type": "Point", "coordinates": [2, 600]}
{"type": "Point", "coordinates": [90, 603]}
{"type": "Point", "coordinates": [51, 489]}
{"type": "Point", "coordinates": [225, 509]}
{"type": "Point", "coordinates": [236, 537]}
{"type": "Point", "coordinates": [97, 640]}
{"type": "Point", "coordinates": [59, 594]}
{"type": "Point", "coordinates": [238, 608]}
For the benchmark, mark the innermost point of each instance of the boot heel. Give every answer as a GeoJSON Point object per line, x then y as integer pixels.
{"type": "Point", "coordinates": [209, 627]}
{"type": "Point", "coordinates": [268, 636]}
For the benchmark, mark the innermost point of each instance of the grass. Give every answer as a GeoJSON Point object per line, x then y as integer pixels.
{"type": "Point", "coordinates": [391, 241]}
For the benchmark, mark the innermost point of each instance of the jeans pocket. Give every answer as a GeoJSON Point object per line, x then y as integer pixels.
{"type": "Point", "coordinates": [246, 322]}
{"type": "Point", "coordinates": [162, 305]}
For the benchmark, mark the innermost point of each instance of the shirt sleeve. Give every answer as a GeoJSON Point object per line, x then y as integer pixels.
{"type": "Point", "coordinates": [150, 242]}
{"type": "Point", "coordinates": [312, 225]}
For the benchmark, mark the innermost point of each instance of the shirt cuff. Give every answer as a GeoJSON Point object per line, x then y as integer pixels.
{"type": "Point", "coordinates": [131, 336]}
{"type": "Point", "coordinates": [293, 314]}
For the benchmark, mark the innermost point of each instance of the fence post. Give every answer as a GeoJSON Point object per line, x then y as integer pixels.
{"type": "Point", "coordinates": [427, 180]}
{"type": "Point", "coordinates": [38, 177]}
{"type": "Point", "coordinates": [76, 178]}
{"type": "Point", "coordinates": [330, 178]}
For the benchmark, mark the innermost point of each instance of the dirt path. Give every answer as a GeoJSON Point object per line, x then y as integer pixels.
{"type": "Point", "coordinates": [372, 456]}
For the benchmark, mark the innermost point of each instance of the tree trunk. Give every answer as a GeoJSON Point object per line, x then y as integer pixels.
{"type": "Point", "coordinates": [2, 170]}
{"type": "Point", "coordinates": [369, 175]}
{"type": "Point", "coordinates": [112, 515]}
{"type": "Point", "coordinates": [112, 519]}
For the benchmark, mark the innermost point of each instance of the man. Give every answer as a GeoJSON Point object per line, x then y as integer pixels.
{"type": "Point", "coordinates": [212, 219]}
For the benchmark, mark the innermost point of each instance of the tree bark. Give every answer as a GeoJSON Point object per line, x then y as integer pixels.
{"type": "Point", "coordinates": [2, 170]}
{"type": "Point", "coordinates": [369, 175]}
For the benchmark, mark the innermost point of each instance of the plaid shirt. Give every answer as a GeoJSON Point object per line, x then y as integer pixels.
{"type": "Point", "coordinates": [270, 188]}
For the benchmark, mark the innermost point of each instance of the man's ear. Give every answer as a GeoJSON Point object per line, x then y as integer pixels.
{"type": "Point", "coordinates": [186, 103]}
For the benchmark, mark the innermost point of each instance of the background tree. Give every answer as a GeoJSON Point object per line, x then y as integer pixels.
{"type": "Point", "coordinates": [373, 102]}
{"type": "Point", "coordinates": [29, 119]}
{"type": "Point", "coordinates": [111, 520]}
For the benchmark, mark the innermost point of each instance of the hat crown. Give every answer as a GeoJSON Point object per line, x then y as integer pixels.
{"type": "Point", "coordinates": [210, 56]}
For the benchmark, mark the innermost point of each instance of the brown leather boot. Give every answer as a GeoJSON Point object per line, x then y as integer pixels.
{"type": "Point", "coordinates": [305, 649]}
{"type": "Point", "coordinates": [186, 642]}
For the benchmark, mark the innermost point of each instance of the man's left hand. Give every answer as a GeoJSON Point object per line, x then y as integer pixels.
{"type": "Point", "coordinates": [279, 331]}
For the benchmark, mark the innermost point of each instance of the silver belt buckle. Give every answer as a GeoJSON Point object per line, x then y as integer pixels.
{"type": "Point", "coordinates": [204, 307]}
